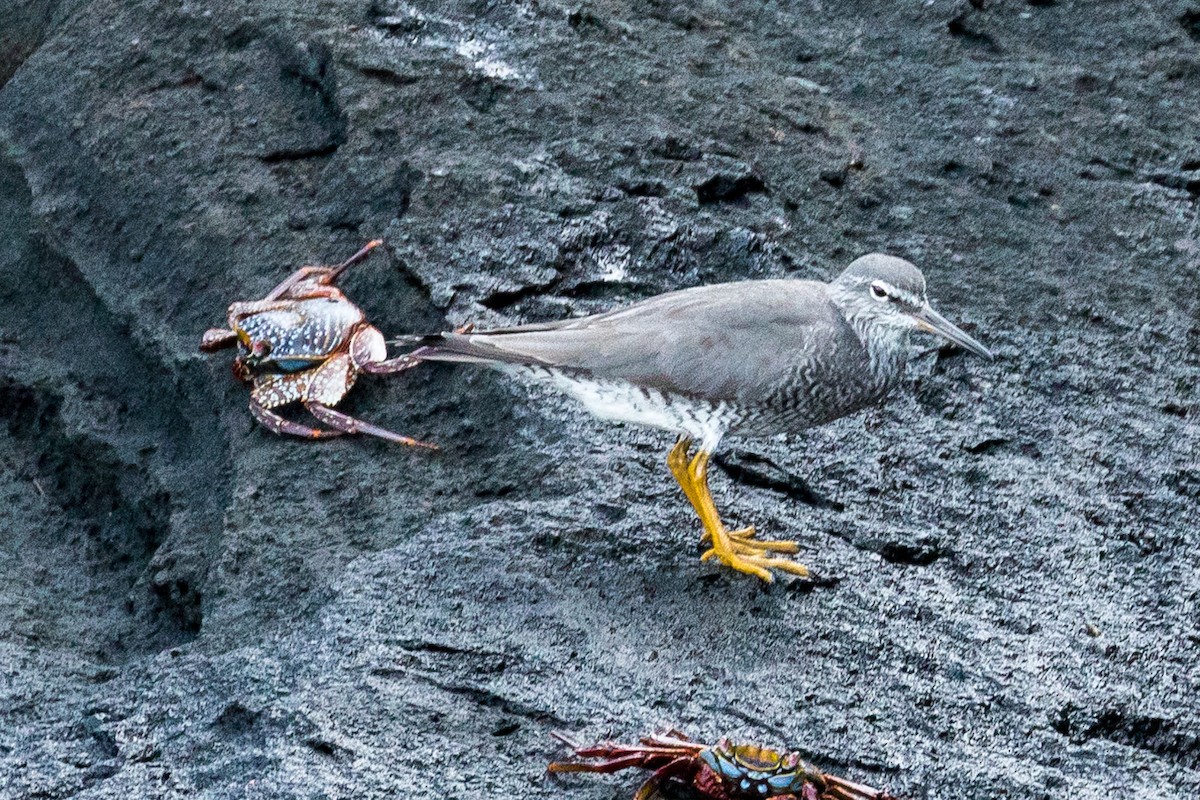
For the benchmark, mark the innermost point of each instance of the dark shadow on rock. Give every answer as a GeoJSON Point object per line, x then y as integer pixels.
{"type": "Point", "coordinates": [752, 469]}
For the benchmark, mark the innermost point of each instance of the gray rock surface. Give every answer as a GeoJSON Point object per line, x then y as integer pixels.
{"type": "Point", "coordinates": [1009, 602]}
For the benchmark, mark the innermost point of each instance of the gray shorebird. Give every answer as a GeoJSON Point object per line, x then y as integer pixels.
{"type": "Point", "coordinates": [756, 357]}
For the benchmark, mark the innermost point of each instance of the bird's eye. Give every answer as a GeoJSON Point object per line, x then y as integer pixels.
{"type": "Point", "coordinates": [878, 291]}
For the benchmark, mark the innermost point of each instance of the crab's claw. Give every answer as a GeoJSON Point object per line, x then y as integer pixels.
{"type": "Point", "coordinates": [217, 339]}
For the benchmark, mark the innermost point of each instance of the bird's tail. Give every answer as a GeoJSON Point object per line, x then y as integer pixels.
{"type": "Point", "coordinates": [460, 347]}
{"type": "Point", "coordinates": [417, 340]}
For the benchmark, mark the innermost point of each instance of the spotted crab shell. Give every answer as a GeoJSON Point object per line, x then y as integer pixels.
{"type": "Point", "coordinates": [753, 771]}
{"type": "Point", "coordinates": [298, 337]}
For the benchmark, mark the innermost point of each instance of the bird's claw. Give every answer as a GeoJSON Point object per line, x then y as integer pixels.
{"type": "Point", "coordinates": [749, 556]}
{"type": "Point", "coordinates": [744, 538]}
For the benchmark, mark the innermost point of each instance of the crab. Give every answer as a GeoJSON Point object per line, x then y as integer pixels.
{"type": "Point", "coordinates": [306, 342]}
{"type": "Point", "coordinates": [728, 770]}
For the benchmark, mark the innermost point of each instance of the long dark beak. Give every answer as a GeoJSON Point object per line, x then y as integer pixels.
{"type": "Point", "coordinates": [932, 322]}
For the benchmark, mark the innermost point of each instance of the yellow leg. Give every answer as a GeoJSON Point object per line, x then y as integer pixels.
{"type": "Point", "coordinates": [677, 461]}
{"type": "Point", "coordinates": [736, 549]}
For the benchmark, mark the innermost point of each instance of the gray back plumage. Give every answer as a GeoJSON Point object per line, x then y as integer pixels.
{"type": "Point", "coordinates": [779, 352]}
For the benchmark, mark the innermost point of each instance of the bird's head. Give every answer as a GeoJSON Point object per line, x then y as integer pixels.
{"type": "Point", "coordinates": [889, 291]}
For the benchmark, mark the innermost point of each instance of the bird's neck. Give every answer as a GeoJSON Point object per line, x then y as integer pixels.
{"type": "Point", "coordinates": [886, 348]}
{"type": "Point", "coordinates": [885, 345]}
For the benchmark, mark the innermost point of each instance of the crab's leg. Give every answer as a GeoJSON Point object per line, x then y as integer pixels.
{"type": "Point", "coordinates": [392, 365]}
{"type": "Point", "coordinates": [842, 789]}
{"type": "Point", "coordinates": [277, 424]}
{"type": "Point", "coordinates": [368, 351]}
{"type": "Point", "coordinates": [611, 765]}
{"type": "Point", "coordinates": [335, 272]}
{"type": "Point", "coordinates": [673, 739]}
{"type": "Point", "coordinates": [348, 424]}
{"type": "Point", "coordinates": [683, 767]}
{"type": "Point", "coordinates": [273, 391]}
{"type": "Point", "coordinates": [617, 756]}
{"type": "Point", "coordinates": [325, 275]}
{"type": "Point", "coordinates": [327, 385]}
{"type": "Point", "coordinates": [304, 273]}
{"type": "Point", "coordinates": [245, 308]}
{"type": "Point", "coordinates": [647, 753]}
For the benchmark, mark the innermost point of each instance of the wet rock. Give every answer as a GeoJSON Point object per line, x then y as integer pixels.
{"type": "Point", "coordinates": [728, 188]}
{"type": "Point", "coordinates": [190, 606]}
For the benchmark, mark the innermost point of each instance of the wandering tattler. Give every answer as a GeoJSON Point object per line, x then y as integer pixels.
{"type": "Point", "coordinates": [756, 357]}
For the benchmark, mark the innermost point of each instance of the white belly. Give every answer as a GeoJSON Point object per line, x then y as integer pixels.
{"type": "Point", "coordinates": [620, 401]}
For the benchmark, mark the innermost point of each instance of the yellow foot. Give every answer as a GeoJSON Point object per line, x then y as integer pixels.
{"type": "Point", "coordinates": [752, 559]}
{"type": "Point", "coordinates": [744, 537]}
{"type": "Point", "coordinates": [736, 549]}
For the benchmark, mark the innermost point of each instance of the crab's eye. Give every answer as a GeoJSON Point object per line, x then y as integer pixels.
{"type": "Point", "coordinates": [878, 291]}
{"type": "Point", "coordinates": [261, 348]}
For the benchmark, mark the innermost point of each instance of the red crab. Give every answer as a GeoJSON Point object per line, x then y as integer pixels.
{"type": "Point", "coordinates": [725, 771]}
{"type": "Point", "coordinates": [306, 342]}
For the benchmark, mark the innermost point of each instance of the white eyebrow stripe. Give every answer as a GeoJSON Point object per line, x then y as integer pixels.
{"type": "Point", "coordinates": [903, 296]}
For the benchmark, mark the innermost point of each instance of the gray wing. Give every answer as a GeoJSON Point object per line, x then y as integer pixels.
{"type": "Point", "coordinates": [719, 342]}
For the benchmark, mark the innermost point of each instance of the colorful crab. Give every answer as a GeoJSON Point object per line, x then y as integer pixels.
{"type": "Point", "coordinates": [725, 771]}
{"type": "Point", "coordinates": [306, 342]}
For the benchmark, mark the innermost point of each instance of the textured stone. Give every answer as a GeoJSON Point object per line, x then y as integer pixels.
{"type": "Point", "coordinates": [190, 606]}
